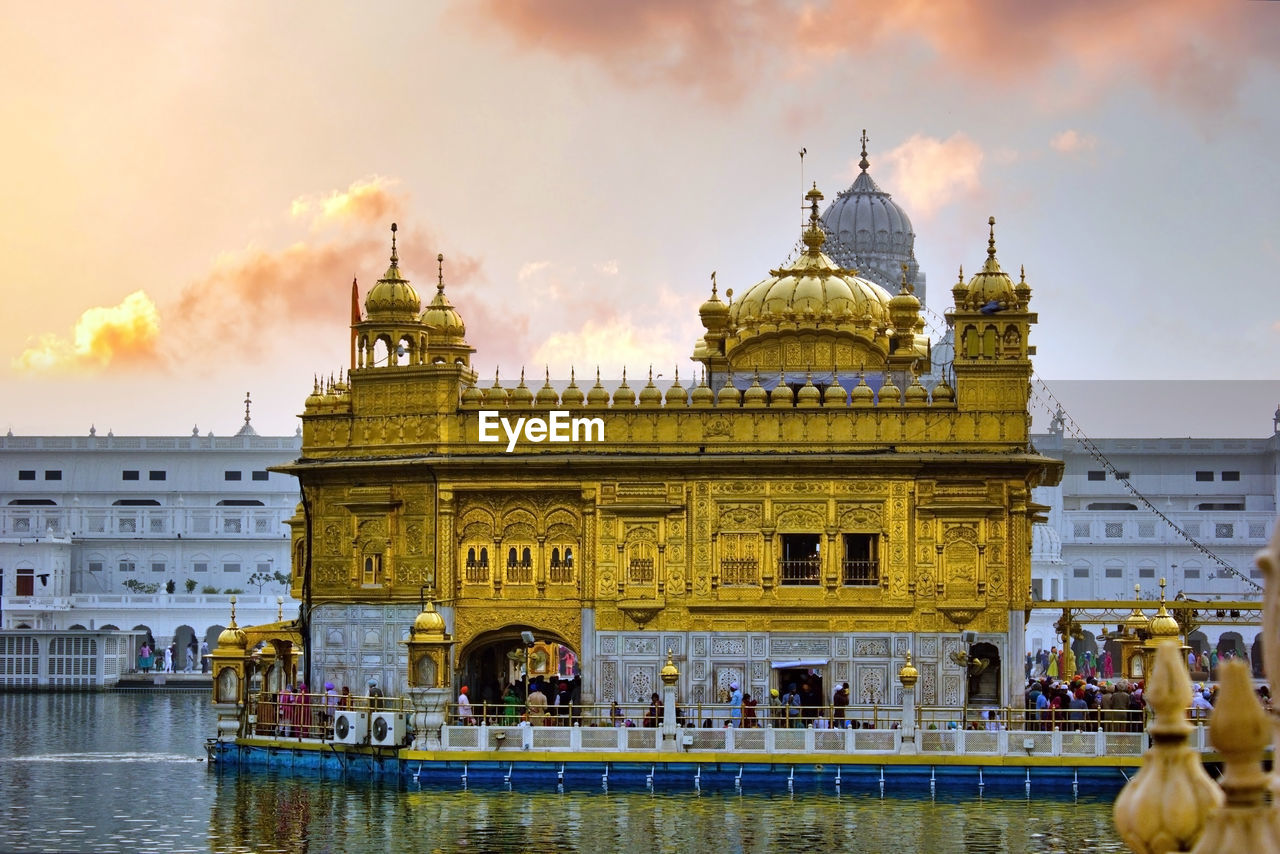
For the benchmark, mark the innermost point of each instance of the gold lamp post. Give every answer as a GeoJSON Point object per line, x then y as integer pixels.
{"type": "Point", "coordinates": [429, 677]}
{"type": "Point", "coordinates": [229, 677]}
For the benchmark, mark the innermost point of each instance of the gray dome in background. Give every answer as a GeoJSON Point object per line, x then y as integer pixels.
{"type": "Point", "coordinates": [869, 232]}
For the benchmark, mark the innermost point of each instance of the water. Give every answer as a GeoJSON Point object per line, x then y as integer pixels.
{"type": "Point", "coordinates": [125, 772]}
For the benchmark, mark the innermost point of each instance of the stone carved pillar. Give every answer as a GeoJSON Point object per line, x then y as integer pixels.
{"type": "Point", "coordinates": [908, 676]}
{"type": "Point", "coordinates": [670, 675]}
{"type": "Point", "coordinates": [428, 716]}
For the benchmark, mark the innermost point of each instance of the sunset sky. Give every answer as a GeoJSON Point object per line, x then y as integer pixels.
{"type": "Point", "coordinates": [189, 189]}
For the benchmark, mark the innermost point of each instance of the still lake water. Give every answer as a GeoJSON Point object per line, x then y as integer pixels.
{"type": "Point", "coordinates": [125, 772]}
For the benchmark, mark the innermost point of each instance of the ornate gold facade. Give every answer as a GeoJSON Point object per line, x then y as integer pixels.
{"type": "Point", "coordinates": [809, 490]}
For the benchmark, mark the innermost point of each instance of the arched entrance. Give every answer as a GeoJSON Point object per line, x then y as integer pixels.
{"type": "Point", "coordinates": [496, 660]}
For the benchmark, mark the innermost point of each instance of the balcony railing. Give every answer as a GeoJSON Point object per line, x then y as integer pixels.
{"type": "Point", "coordinates": [520, 573]}
{"type": "Point", "coordinates": [861, 573]}
{"type": "Point", "coordinates": [807, 571]}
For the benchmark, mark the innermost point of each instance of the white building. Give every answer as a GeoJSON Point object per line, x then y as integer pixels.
{"type": "Point", "coordinates": [144, 532]}
{"type": "Point", "coordinates": [1102, 538]}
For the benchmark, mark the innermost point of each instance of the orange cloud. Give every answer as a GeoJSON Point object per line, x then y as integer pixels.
{"type": "Point", "coordinates": [928, 172]}
{"type": "Point", "coordinates": [1073, 142]}
{"type": "Point", "coordinates": [369, 200]}
{"type": "Point", "coordinates": [708, 46]}
{"type": "Point", "coordinates": [255, 300]}
{"type": "Point", "coordinates": [1195, 51]}
{"type": "Point", "coordinates": [127, 334]}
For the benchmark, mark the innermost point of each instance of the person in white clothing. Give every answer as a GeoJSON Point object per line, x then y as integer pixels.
{"type": "Point", "coordinates": [464, 708]}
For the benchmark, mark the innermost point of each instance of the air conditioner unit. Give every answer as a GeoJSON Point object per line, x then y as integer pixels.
{"type": "Point", "coordinates": [386, 729]}
{"type": "Point", "coordinates": [351, 727]}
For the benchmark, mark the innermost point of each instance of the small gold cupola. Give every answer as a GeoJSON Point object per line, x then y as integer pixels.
{"type": "Point", "coordinates": [392, 298]}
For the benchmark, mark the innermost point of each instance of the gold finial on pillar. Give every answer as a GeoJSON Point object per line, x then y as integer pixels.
{"type": "Point", "coordinates": [669, 672]}
{"type": "Point", "coordinates": [233, 613]}
{"type": "Point", "coordinates": [908, 674]}
{"type": "Point", "coordinates": [279, 609]}
{"type": "Point", "coordinates": [1165, 806]}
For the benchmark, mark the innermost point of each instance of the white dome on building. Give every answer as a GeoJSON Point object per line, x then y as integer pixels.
{"type": "Point", "coordinates": [1046, 545]}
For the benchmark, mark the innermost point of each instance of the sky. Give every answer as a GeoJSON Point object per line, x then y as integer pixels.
{"type": "Point", "coordinates": [189, 189]}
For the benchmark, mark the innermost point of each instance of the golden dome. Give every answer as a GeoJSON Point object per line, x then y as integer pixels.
{"type": "Point", "coordinates": [702, 394]}
{"type": "Point", "coordinates": [782, 395]}
{"type": "Point", "coordinates": [728, 395]}
{"type": "Point", "coordinates": [547, 395]}
{"type": "Point", "coordinates": [676, 395]}
{"type": "Point", "coordinates": [392, 298]}
{"type": "Point", "coordinates": [890, 394]}
{"type": "Point", "coordinates": [755, 396]}
{"type": "Point", "coordinates": [429, 622]}
{"type": "Point", "coordinates": [495, 395]}
{"type": "Point", "coordinates": [991, 288]}
{"type": "Point", "coordinates": [1022, 290]}
{"type": "Point", "coordinates": [572, 395]}
{"type": "Point", "coordinates": [812, 295]}
{"type": "Point", "coordinates": [942, 393]}
{"type": "Point", "coordinates": [231, 637]}
{"type": "Point", "coordinates": [521, 395]}
{"type": "Point", "coordinates": [809, 395]}
{"type": "Point", "coordinates": [669, 674]}
{"type": "Point", "coordinates": [1163, 625]}
{"type": "Point", "coordinates": [1137, 621]}
{"type": "Point", "coordinates": [713, 312]}
{"type": "Point", "coordinates": [649, 395]}
{"type": "Point", "coordinates": [598, 395]}
{"type": "Point", "coordinates": [441, 318]}
{"type": "Point", "coordinates": [908, 674]}
{"type": "Point", "coordinates": [916, 393]}
{"type": "Point", "coordinates": [862, 395]}
{"type": "Point", "coordinates": [315, 398]}
{"type": "Point", "coordinates": [473, 396]}
{"type": "Point", "coordinates": [835, 395]}
{"type": "Point", "coordinates": [623, 395]}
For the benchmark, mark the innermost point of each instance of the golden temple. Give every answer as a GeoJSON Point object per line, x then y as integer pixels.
{"type": "Point", "coordinates": [808, 505]}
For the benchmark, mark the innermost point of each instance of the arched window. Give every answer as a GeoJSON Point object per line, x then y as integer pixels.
{"type": "Point", "coordinates": [568, 556]}
{"type": "Point", "coordinates": [372, 569]}
{"type": "Point", "coordinates": [484, 557]}
{"type": "Point", "coordinates": [512, 559]}
{"type": "Point", "coordinates": [471, 558]}
{"type": "Point", "coordinates": [526, 558]}
{"type": "Point", "coordinates": [555, 557]}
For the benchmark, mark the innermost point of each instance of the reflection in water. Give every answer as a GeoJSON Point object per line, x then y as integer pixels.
{"type": "Point", "coordinates": [124, 772]}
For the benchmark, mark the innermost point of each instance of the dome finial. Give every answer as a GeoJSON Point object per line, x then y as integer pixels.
{"type": "Point", "coordinates": [813, 235]}
{"type": "Point", "coordinates": [713, 283]}
{"type": "Point", "coordinates": [991, 241]}
{"type": "Point", "coordinates": [863, 164]}
{"type": "Point", "coordinates": [395, 257]}
{"type": "Point", "coordinates": [440, 273]}
{"type": "Point", "coordinates": [247, 402]}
